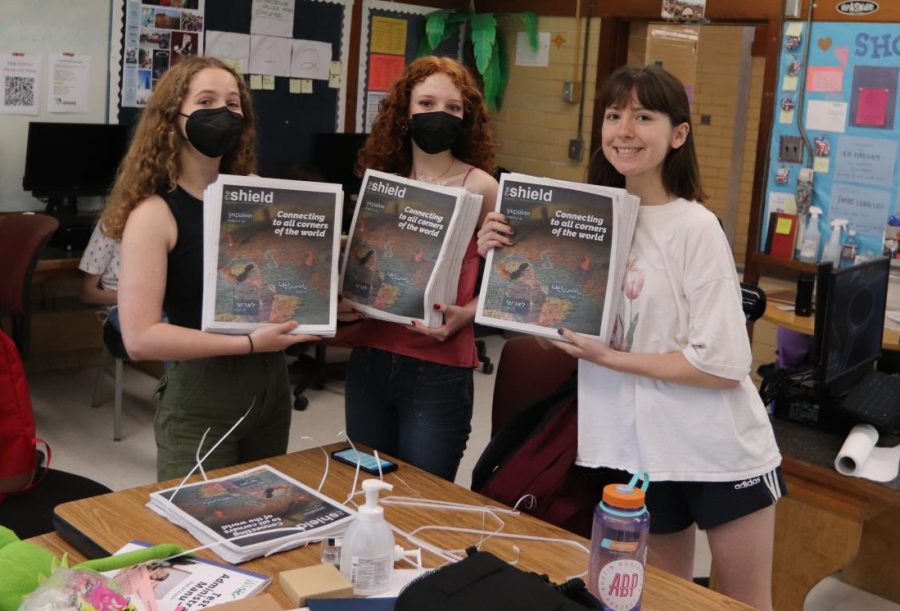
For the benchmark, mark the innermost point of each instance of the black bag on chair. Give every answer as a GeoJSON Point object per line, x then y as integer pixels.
{"type": "Point", "coordinates": [483, 581]}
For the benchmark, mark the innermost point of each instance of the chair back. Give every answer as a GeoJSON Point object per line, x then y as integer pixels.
{"type": "Point", "coordinates": [527, 372]}
{"type": "Point", "coordinates": [21, 238]}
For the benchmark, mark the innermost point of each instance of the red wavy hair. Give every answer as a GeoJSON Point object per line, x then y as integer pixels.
{"type": "Point", "coordinates": [151, 162]}
{"type": "Point", "coordinates": [388, 147]}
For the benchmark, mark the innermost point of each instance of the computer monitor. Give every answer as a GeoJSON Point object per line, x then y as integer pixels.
{"type": "Point", "coordinates": [849, 324]}
{"type": "Point", "coordinates": [66, 160]}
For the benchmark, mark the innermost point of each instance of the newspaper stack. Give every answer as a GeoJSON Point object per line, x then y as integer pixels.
{"type": "Point", "coordinates": [406, 247]}
{"type": "Point", "coordinates": [251, 513]}
{"type": "Point", "coordinates": [271, 251]}
{"type": "Point", "coordinates": [568, 261]}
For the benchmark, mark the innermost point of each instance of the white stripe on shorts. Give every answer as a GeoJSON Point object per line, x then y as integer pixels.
{"type": "Point", "coordinates": [771, 481]}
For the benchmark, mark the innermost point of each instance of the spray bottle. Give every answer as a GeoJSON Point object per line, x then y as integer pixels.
{"type": "Point", "coordinates": [832, 250]}
{"type": "Point", "coordinates": [803, 197]}
{"type": "Point", "coordinates": [809, 250]}
{"type": "Point", "coordinates": [367, 554]}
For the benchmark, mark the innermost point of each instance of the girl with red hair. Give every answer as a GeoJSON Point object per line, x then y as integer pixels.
{"type": "Point", "coordinates": [410, 389]}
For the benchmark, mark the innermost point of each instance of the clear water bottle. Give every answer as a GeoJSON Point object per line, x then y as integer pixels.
{"type": "Point", "coordinates": [619, 545]}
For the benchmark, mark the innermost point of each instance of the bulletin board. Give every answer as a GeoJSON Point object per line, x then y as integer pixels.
{"type": "Point", "coordinates": [845, 94]}
{"type": "Point", "coordinates": [288, 110]}
{"type": "Point", "coordinates": [391, 36]}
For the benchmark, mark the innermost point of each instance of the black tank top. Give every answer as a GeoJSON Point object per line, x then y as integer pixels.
{"type": "Point", "coordinates": [183, 300]}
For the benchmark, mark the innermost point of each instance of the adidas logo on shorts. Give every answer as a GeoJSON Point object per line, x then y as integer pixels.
{"type": "Point", "coordinates": [747, 483]}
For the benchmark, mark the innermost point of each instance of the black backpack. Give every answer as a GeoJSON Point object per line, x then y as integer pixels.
{"type": "Point", "coordinates": [483, 581]}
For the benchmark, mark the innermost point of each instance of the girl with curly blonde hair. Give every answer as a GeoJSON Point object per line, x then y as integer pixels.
{"type": "Point", "coordinates": [409, 389]}
{"type": "Point", "coordinates": [198, 122]}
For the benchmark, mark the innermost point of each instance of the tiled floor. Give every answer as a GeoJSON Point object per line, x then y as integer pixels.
{"type": "Point", "coordinates": [81, 440]}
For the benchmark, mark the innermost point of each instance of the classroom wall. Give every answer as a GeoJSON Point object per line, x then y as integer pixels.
{"type": "Point", "coordinates": [534, 126]}
{"type": "Point", "coordinates": [45, 27]}
{"type": "Point", "coordinates": [716, 93]}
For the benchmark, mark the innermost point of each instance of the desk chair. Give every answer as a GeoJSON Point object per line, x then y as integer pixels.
{"type": "Point", "coordinates": [31, 513]}
{"type": "Point", "coordinates": [21, 238]}
{"type": "Point", "coordinates": [311, 371]}
{"type": "Point", "coordinates": [526, 374]}
{"type": "Point", "coordinates": [114, 347]}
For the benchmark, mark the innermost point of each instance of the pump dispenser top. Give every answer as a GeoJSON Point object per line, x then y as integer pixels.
{"type": "Point", "coordinates": [371, 488]}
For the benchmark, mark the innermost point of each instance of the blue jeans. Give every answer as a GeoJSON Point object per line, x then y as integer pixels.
{"type": "Point", "coordinates": [112, 317]}
{"type": "Point", "coordinates": [418, 411]}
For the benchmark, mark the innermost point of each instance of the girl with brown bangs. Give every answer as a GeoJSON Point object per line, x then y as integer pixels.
{"type": "Point", "coordinates": [671, 395]}
{"type": "Point", "coordinates": [198, 122]}
{"type": "Point", "coordinates": [409, 390]}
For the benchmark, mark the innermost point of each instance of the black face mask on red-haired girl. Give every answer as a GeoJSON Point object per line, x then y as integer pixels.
{"type": "Point", "coordinates": [435, 132]}
{"type": "Point", "coordinates": [214, 131]}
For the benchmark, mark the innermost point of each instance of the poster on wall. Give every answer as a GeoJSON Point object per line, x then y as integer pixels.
{"type": "Point", "coordinates": [68, 77]}
{"type": "Point", "coordinates": [683, 10]}
{"type": "Point", "coordinates": [850, 81]}
{"type": "Point", "coordinates": [158, 34]}
{"type": "Point", "coordinates": [390, 39]}
{"type": "Point", "coordinates": [20, 74]}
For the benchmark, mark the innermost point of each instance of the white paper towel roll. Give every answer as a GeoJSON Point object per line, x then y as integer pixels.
{"type": "Point", "coordinates": [860, 458]}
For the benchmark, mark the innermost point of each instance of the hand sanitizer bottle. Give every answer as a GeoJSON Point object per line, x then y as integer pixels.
{"type": "Point", "coordinates": [367, 552]}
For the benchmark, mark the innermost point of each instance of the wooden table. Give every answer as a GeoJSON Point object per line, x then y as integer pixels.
{"type": "Point", "coordinates": [805, 324]}
{"type": "Point", "coordinates": [830, 522]}
{"type": "Point", "coordinates": [112, 520]}
{"type": "Point", "coordinates": [56, 262]}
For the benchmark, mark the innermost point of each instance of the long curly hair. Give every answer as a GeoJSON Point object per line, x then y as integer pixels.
{"type": "Point", "coordinates": [151, 163]}
{"type": "Point", "coordinates": [388, 147]}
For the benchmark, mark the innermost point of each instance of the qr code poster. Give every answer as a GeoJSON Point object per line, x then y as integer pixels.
{"type": "Point", "coordinates": [20, 82]}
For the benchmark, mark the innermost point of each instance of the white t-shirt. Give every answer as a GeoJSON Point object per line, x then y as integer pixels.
{"type": "Point", "coordinates": [101, 257]}
{"type": "Point", "coordinates": [681, 293]}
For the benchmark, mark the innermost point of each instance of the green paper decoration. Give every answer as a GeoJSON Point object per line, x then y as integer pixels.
{"type": "Point", "coordinates": [488, 48]}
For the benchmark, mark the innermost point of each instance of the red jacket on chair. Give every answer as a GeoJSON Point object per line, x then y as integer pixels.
{"type": "Point", "coordinates": [19, 468]}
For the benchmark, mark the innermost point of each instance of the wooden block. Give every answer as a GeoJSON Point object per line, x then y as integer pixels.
{"type": "Point", "coordinates": [263, 602]}
{"type": "Point", "coordinates": [317, 581]}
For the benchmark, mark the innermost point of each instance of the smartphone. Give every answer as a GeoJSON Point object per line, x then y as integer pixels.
{"type": "Point", "coordinates": [366, 461]}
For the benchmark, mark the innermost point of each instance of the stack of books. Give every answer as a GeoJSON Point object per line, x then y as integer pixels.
{"type": "Point", "coordinates": [185, 582]}
{"type": "Point", "coordinates": [271, 251]}
{"type": "Point", "coordinates": [252, 513]}
{"type": "Point", "coordinates": [568, 262]}
{"type": "Point", "coordinates": [406, 247]}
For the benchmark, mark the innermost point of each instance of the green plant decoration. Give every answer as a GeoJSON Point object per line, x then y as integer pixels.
{"type": "Point", "coordinates": [487, 47]}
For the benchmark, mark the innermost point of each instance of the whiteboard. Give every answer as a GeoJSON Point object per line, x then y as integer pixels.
{"type": "Point", "coordinates": [47, 27]}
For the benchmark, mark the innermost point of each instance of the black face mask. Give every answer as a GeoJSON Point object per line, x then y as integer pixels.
{"type": "Point", "coordinates": [214, 131]}
{"type": "Point", "coordinates": [435, 132]}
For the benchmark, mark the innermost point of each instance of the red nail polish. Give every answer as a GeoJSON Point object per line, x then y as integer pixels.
{"type": "Point", "coordinates": [436, 307]}
{"type": "Point", "coordinates": [560, 331]}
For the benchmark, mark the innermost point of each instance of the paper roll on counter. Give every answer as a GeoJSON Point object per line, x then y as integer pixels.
{"type": "Point", "coordinates": [860, 458]}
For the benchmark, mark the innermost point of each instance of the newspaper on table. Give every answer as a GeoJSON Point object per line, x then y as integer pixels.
{"type": "Point", "coordinates": [406, 247]}
{"type": "Point", "coordinates": [568, 262]}
{"type": "Point", "coordinates": [251, 513]}
{"type": "Point", "coordinates": [271, 252]}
